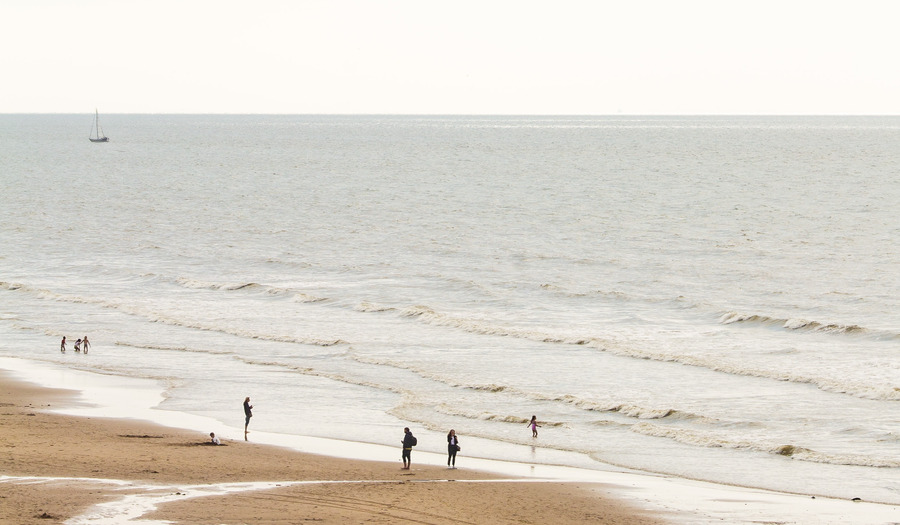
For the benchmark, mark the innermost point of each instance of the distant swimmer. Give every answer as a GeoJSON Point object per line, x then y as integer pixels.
{"type": "Point", "coordinates": [247, 415]}
{"type": "Point", "coordinates": [62, 345]}
{"type": "Point", "coordinates": [85, 344]}
{"type": "Point", "coordinates": [534, 426]}
{"type": "Point", "coordinates": [78, 345]}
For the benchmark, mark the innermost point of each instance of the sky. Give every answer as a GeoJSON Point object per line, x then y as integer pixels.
{"type": "Point", "coordinates": [559, 57]}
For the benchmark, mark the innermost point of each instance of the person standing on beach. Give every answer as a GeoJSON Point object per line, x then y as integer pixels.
{"type": "Point", "coordinates": [409, 441]}
{"type": "Point", "coordinates": [452, 448]}
{"type": "Point", "coordinates": [534, 426]}
{"type": "Point", "coordinates": [85, 344]}
{"type": "Point", "coordinates": [62, 345]}
{"type": "Point", "coordinates": [247, 414]}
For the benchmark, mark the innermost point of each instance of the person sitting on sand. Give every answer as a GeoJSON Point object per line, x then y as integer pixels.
{"type": "Point", "coordinates": [213, 439]}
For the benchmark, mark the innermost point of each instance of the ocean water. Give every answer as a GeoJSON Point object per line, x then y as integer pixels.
{"type": "Point", "coordinates": [715, 298]}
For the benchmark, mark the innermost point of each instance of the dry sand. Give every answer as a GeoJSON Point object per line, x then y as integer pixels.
{"type": "Point", "coordinates": [35, 442]}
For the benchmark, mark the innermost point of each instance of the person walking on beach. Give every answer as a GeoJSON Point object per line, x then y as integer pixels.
{"type": "Point", "coordinates": [452, 448]}
{"type": "Point", "coordinates": [247, 415]}
{"type": "Point", "coordinates": [62, 345]}
{"type": "Point", "coordinates": [534, 426]}
{"type": "Point", "coordinates": [409, 441]}
{"type": "Point", "coordinates": [85, 344]}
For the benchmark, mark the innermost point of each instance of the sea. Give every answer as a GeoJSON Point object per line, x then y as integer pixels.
{"type": "Point", "coordinates": [709, 298]}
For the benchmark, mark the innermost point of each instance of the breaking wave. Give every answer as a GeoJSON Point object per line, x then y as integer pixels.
{"type": "Point", "coordinates": [717, 440]}
{"type": "Point", "coordinates": [172, 348]}
{"type": "Point", "coordinates": [453, 410]}
{"type": "Point", "coordinates": [157, 317]}
{"type": "Point", "coordinates": [312, 372]}
{"type": "Point", "coordinates": [428, 315]}
{"type": "Point", "coordinates": [862, 390]}
{"type": "Point", "coordinates": [627, 410]}
{"type": "Point", "coordinates": [294, 294]}
{"type": "Point", "coordinates": [366, 307]}
{"type": "Point", "coordinates": [803, 325]}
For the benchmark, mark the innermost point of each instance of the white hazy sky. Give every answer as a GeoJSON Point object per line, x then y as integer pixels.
{"type": "Point", "coordinates": [452, 57]}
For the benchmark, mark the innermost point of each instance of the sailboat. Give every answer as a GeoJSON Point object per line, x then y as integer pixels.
{"type": "Point", "coordinates": [99, 137]}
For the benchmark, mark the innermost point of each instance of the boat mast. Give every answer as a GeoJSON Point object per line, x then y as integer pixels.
{"type": "Point", "coordinates": [97, 122]}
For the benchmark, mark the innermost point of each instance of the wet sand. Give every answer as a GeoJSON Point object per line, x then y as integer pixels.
{"type": "Point", "coordinates": [101, 460]}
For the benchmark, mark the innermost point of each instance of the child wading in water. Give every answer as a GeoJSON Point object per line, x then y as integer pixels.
{"type": "Point", "coordinates": [534, 426]}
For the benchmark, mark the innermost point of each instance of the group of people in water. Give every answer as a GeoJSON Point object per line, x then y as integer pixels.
{"type": "Point", "coordinates": [80, 344]}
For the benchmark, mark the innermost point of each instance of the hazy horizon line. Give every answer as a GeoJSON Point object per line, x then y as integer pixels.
{"type": "Point", "coordinates": [599, 115]}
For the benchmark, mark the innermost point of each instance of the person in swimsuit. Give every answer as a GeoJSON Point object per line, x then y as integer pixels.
{"type": "Point", "coordinates": [78, 345]}
{"type": "Point", "coordinates": [534, 426]}
{"type": "Point", "coordinates": [62, 345]}
{"type": "Point", "coordinates": [85, 344]}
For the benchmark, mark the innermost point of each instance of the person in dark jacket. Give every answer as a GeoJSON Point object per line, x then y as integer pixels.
{"type": "Point", "coordinates": [409, 441]}
{"type": "Point", "coordinates": [247, 414]}
{"type": "Point", "coordinates": [452, 448]}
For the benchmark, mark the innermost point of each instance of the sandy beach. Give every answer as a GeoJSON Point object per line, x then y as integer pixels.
{"type": "Point", "coordinates": [81, 462]}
